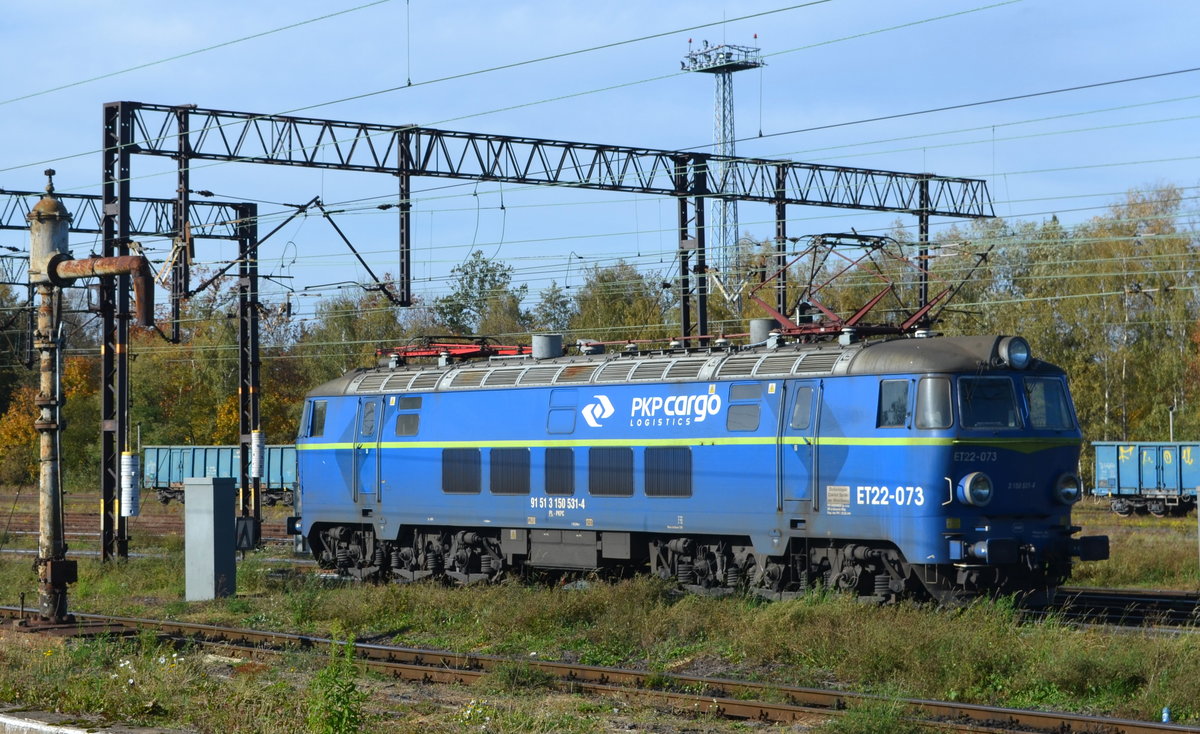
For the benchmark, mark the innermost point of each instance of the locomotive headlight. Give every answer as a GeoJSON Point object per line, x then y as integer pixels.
{"type": "Point", "coordinates": [1015, 352]}
{"type": "Point", "coordinates": [1067, 489]}
{"type": "Point", "coordinates": [975, 489]}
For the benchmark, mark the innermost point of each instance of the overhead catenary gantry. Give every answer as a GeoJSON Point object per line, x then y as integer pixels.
{"type": "Point", "coordinates": [187, 133]}
{"type": "Point", "coordinates": [192, 133]}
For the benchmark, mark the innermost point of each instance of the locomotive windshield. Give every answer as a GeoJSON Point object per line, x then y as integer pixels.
{"type": "Point", "coordinates": [988, 402]}
{"type": "Point", "coordinates": [1048, 405]}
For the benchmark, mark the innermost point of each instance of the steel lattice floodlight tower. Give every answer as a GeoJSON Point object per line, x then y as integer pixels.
{"type": "Point", "coordinates": [721, 61]}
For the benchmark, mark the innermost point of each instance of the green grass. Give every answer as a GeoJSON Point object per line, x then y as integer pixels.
{"type": "Point", "coordinates": [143, 682]}
{"type": "Point", "coordinates": [1145, 551]}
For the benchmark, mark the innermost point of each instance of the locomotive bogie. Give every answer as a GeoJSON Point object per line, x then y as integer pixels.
{"type": "Point", "coordinates": [916, 467]}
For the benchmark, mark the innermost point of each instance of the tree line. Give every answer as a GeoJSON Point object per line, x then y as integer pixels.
{"type": "Point", "coordinates": [1112, 300]}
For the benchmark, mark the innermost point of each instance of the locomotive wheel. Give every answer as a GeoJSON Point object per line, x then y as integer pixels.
{"type": "Point", "coordinates": [1122, 508]}
{"type": "Point", "coordinates": [1158, 509]}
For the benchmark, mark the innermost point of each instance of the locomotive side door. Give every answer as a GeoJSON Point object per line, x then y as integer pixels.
{"type": "Point", "coordinates": [366, 450]}
{"type": "Point", "coordinates": [797, 445]}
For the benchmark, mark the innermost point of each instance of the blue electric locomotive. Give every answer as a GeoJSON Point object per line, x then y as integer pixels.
{"type": "Point", "coordinates": [939, 467]}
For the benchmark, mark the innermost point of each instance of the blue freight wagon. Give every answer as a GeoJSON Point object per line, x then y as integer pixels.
{"type": "Point", "coordinates": [165, 467]}
{"type": "Point", "coordinates": [1156, 477]}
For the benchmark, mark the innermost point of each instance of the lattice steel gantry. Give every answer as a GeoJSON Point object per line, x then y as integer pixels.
{"type": "Point", "coordinates": [722, 61]}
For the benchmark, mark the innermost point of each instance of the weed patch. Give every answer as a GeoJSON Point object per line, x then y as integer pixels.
{"type": "Point", "coordinates": [336, 700]}
{"type": "Point", "coordinates": [517, 678]}
{"type": "Point", "coordinates": [873, 717]}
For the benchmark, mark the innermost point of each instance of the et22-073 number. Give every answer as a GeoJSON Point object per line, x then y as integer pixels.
{"type": "Point", "coordinates": [975, 456]}
{"type": "Point", "coordinates": [871, 495]}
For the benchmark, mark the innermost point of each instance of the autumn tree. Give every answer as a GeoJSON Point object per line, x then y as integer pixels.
{"type": "Point", "coordinates": [554, 310]}
{"type": "Point", "coordinates": [619, 302]}
{"type": "Point", "coordinates": [187, 392]}
{"type": "Point", "coordinates": [482, 299]}
{"type": "Point", "coordinates": [345, 332]}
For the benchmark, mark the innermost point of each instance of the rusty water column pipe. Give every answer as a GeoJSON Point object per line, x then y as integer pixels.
{"type": "Point", "coordinates": [50, 267]}
{"type": "Point", "coordinates": [54, 570]}
{"type": "Point", "coordinates": [64, 271]}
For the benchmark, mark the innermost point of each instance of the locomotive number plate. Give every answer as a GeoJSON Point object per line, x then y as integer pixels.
{"type": "Point", "coordinates": [873, 495]}
{"type": "Point", "coordinates": [975, 456]}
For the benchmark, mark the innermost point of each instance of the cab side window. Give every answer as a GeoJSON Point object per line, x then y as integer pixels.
{"type": "Point", "coordinates": [933, 403]}
{"type": "Point", "coordinates": [893, 404]}
{"type": "Point", "coordinates": [316, 423]}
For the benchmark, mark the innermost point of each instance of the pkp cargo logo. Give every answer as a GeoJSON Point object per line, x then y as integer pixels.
{"type": "Point", "coordinates": [593, 413]}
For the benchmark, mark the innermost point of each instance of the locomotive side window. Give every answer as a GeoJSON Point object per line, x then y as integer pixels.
{"type": "Point", "coordinates": [742, 417]}
{"type": "Point", "coordinates": [802, 411]}
{"type": "Point", "coordinates": [668, 471]}
{"type": "Point", "coordinates": [316, 424]}
{"type": "Point", "coordinates": [987, 402]}
{"type": "Point", "coordinates": [410, 403]}
{"type": "Point", "coordinates": [610, 471]}
{"type": "Point", "coordinates": [933, 403]}
{"type": "Point", "coordinates": [560, 420]}
{"type": "Point", "coordinates": [509, 471]}
{"type": "Point", "coordinates": [460, 471]}
{"type": "Point", "coordinates": [1048, 406]}
{"type": "Point", "coordinates": [560, 471]}
{"type": "Point", "coordinates": [368, 420]}
{"type": "Point", "coordinates": [746, 391]}
{"type": "Point", "coordinates": [407, 424]}
{"type": "Point", "coordinates": [893, 404]}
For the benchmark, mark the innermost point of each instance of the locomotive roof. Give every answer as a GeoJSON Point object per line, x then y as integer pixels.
{"type": "Point", "coordinates": [954, 354]}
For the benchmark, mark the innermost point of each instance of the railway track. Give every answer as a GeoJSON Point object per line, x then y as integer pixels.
{"type": "Point", "coordinates": [731, 699]}
{"type": "Point", "coordinates": [84, 524]}
{"type": "Point", "coordinates": [1130, 607]}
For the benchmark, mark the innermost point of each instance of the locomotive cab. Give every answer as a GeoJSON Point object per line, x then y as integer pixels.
{"type": "Point", "coordinates": [1010, 474]}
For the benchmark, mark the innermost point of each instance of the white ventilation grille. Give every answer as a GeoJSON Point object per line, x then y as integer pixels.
{"type": "Point", "coordinates": [372, 382]}
{"type": "Point", "coordinates": [426, 381]}
{"type": "Point", "coordinates": [815, 362]}
{"type": "Point", "coordinates": [649, 370]}
{"type": "Point", "coordinates": [777, 364]}
{"type": "Point", "coordinates": [469, 378]}
{"type": "Point", "coordinates": [398, 383]}
{"type": "Point", "coordinates": [615, 372]}
{"type": "Point", "coordinates": [738, 366]}
{"type": "Point", "coordinates": [503, 377]}
{"type": "Point", "coordinates": [539, 376]}
{"type": "Point", "coordinates": [685, 369]}
{"type": "Point", "coordinates": [576, 373]}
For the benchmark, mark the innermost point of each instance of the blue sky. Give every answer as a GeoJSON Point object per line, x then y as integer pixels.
{"type": "Point", "coordinates": [829, 63]}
